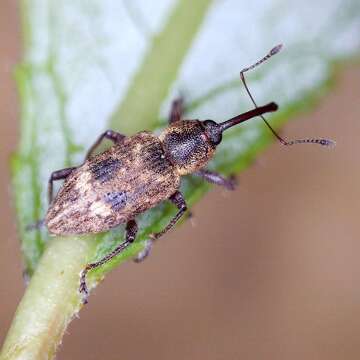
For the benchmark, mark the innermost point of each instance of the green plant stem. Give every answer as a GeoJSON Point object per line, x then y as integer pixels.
{"type": "Point", "coordinates": [50, 301]}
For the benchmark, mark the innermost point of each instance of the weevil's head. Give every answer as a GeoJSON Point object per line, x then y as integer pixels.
{"type": "Point", "coordinates": [190, 144]}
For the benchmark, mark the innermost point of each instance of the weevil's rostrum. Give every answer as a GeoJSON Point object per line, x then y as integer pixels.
{"type": "Point", "coordinates": [139, 172]}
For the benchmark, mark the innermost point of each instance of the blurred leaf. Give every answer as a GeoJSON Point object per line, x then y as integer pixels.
{"type": "Point", "coordinates": [91, 65]}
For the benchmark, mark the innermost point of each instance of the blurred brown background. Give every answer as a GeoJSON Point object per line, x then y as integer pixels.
{"type": "Point", "coordinates": [270, 271]}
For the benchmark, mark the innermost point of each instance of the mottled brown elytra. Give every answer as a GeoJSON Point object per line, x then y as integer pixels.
{"type": "Point", "coordinates": [139, 172]}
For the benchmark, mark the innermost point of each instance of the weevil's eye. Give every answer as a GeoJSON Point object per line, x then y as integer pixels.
{"type": "Point", "coordinates": [213, 131]}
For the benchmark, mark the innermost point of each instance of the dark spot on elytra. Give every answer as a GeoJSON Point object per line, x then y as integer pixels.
{"type": "Point", "coordinates": [105, 170]}
{"type": "Point", "coordinates": [117, 199]}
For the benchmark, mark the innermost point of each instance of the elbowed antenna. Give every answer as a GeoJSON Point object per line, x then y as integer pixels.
{"type": "Point", "coordinates": [272, 52]}
{"type": "Point", "coordinates": [258, 111]}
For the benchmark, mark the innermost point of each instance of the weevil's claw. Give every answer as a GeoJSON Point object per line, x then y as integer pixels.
{"type": "Point", "coordinates": [144, 253]}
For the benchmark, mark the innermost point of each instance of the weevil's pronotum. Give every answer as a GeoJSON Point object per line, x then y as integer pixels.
{"type": "Point", "coordinates": [139, 172]}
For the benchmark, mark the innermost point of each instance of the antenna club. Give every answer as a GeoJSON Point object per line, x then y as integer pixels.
{"type": "Point", "coordinates": [328, 142]}
{"type": "Point", "coordinates": [319, 141]}
{"type": "Point", "coordinates": [276, 49]}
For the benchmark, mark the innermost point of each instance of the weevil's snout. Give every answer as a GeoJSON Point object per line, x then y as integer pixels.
{"type": "Point", "coordinates": [213, 131]}
{"type": "Point", "coordinates": [258, 111]}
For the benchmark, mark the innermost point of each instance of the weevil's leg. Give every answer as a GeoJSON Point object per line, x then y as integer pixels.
{"type": "Point", "coordinates": [177, 110]}
{"type": "Point", "coordinates": [131, 230]}
{"type": "Point", "coordinates": [108, 134]}
{"type": "Point", "coordinates": [178, 200]}
{"type": "Point", "coordinates": [215, 178]}
{"type": "Point", "coordinates": [57, 175]}
{"type": "Point", "coordinates": [35, 226]}
{"type": "Point", "coordinates": [145, 252]}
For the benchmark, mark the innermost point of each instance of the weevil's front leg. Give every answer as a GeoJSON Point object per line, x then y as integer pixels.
{"type": "Point", "coordinates": [177, 110]}
{"type": "Point", "coordinates": [178, 200]}
{"type": "Point", "coordinates": [108, 134]}
{"type": "Point", "coordinates": [57, 175]}
{"type": "Point", "coordinates": [215, 178]}
{"type": "Point", "coordinates": [131, 230]}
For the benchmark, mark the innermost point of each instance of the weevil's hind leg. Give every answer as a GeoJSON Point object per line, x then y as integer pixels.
{"type": "Point", "coordinates": [177, 110]}
{"type": "Point", "coordinates": [178, 200]}
{"type": "Point", "coordinates": [108, 134]}
{"type": "Point", "coordinates": [131, 231]}
{"type": "Point", "coordinates": [215, 178]}
{"type": "Point", "coordinates": [58, 175]}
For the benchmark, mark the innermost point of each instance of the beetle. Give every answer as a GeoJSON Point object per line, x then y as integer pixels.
{"type": "Point", "coordinates": [140, 171]}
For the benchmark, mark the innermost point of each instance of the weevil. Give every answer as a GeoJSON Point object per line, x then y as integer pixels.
{"type": "Point", "coordinates": [139, 172]}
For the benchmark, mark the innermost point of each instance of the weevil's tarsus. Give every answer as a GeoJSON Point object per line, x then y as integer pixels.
{"type": "Point", "coordinates": [111, 135]}
{"type": "Point", "coordinates": [57, 175]}
{"type": "Point", "coordinates": [131, 231]}
{"type": "Point", "coordinates": [272, 52]}
{"type": "Point", "coordinates": [145, 252]}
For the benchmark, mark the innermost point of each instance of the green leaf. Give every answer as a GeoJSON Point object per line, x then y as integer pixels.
{"type": "Point", "coordinates": [91, 65]}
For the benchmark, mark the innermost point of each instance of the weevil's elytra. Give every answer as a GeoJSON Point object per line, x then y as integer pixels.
{"type": "Point", "coordinates": [105, 169]}
{"type": "Point", "coordinates": [139, 172]}
{"type": "Point", "coordinates": [110, 194]}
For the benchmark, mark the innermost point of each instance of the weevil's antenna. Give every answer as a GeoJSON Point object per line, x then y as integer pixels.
{"type": "Point", "coordinates": [272, 52]}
